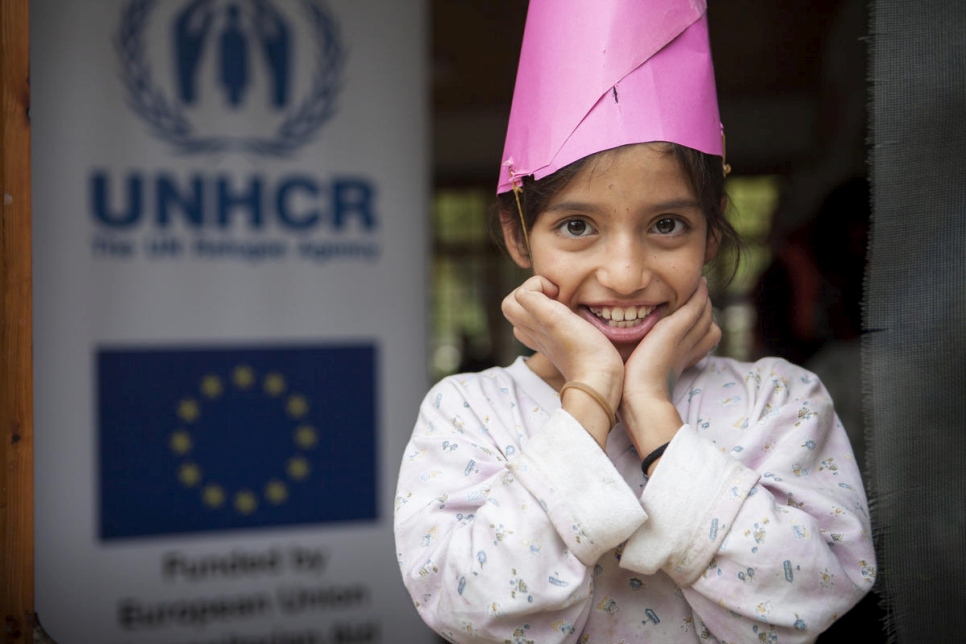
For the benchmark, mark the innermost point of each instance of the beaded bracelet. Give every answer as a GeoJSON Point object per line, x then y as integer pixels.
{"type": "Point", "coordinates": [653, 456]}
{"type": "Point", "coordinates": [593, 393]}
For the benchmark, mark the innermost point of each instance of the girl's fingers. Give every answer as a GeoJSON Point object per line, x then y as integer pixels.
{"type": "Point", "coordinates": [536, 317]}
{"type": "Point", "coordinates": [528, 295]}
{"type": "Point", "coordinates": [676, 342]}
{"type": "Point", "coordinates": [690, 321]}
{"type": "Point", "coordinates": [704, 335]}
{"type": "Point", "coordinates": [551, 328]}
{"type": "Point", "coordinates": [705, 345]}
{"type": "Point", "coordinates": [538, 284]}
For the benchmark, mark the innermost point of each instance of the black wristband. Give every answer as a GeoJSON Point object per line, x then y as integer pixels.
{"type": "Point", "coordinates": [653, 456]}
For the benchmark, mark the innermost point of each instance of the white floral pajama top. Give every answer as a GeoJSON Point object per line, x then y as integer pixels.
{"type": "Point", "coordinates": [513, 526]}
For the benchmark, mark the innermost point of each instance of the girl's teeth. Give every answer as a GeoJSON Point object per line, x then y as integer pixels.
{"type": "Point", "coordinates": [622, 316]}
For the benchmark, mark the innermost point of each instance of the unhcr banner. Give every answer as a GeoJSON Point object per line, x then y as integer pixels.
{"type": "Point", "coordinates": [229, 201]}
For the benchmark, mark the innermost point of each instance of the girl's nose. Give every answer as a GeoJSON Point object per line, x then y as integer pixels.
{"type": "Point", "coordinates": [624, 268]}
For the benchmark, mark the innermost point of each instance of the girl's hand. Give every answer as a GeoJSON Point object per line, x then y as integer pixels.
{"type": "Point", "coordinates": [675, 343]}
{"type": "Point", "coordinates": [572, 345]}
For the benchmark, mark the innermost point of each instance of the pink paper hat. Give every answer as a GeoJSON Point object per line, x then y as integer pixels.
{"type": "Point", "coordinates": [598, 74]}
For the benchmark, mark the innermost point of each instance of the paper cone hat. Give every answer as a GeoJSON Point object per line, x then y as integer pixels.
{"type": "Point", "coordinates": [598, 74]}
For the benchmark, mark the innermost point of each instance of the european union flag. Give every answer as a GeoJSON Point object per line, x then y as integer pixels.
{"type": "Point", "coordinates": [196, 439]}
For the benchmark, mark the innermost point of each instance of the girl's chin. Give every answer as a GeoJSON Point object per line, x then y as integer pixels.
{"type": "Point", "coordinates": [625, 349]}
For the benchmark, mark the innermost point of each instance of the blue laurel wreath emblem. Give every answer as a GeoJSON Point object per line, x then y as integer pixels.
{"type": "Point", "coordinates": [168, 122]}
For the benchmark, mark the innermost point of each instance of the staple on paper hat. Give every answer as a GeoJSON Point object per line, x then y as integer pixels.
{"type": "Point", "coordinates": [598, 74]}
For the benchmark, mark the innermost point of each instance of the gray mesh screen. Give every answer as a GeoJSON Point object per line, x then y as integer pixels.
{"type": "Point", "coordinates": [914, 348]}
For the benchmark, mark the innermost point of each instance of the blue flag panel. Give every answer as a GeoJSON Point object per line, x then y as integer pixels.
{"type": "Point", "coordinates": [195, 439]}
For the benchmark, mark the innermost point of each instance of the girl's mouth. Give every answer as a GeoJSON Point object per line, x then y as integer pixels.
{"type": "Point", "coordinates": [622, 317]}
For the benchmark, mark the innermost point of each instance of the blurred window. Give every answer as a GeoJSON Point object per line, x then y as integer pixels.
{"type": "Point", "coordinates": [753, 202]}
{"type": "Point", "coordinates": [470, 276]}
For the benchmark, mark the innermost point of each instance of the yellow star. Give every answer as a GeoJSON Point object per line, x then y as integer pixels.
{"type": "Point", "coordinates": [306, 437]}
{"type": "Point", "coordinates": [245, 502]}
{"type": "Point", "coordinates": [297, 468]}
{"type": "Point", "coordinates": [213, 496]}
{"type": "Point", "coordinates": [189, 474]}
{"type": "Point", "coordinates": [180, 442]}
{"type": "Point", "coordinates": [274, 384]}
{"type": "Point", "coordinates": [188, 410]}
{"type": "Point", "coordinates": [211, 386]}
{"type": "Point", "coordinates": [297, 406]}
{"type": "Point", "coordinates": [243, 376]}
{"type": "Point", "coordinates": [276, 492]}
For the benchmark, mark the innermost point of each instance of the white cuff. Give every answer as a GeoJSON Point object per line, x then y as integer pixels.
{"type": "Point", "coordinates": [691, 500]}
{"type": "Point", "coordinates": [589, 503]}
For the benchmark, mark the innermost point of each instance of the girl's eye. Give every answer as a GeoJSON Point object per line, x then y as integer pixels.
{"type": "Point", "coordinates": [575, 228]}
{"type": "Point", "coordinates": [669, 226]}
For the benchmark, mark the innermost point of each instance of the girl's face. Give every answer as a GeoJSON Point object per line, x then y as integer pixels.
{"type": "Point", "coordinates": [625, 241]}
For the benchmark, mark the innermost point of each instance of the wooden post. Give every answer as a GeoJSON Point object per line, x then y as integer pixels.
{"type": "Point", "coordinates": [16, 331]}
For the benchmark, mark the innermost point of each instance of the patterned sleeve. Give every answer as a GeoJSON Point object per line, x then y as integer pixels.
{"type": "Point", "coordinates": [496, 531]}
{"type": "Point", "coordinates": [776, 543]}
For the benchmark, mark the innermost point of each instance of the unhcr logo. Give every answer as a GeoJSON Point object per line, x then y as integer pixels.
{"type": "Point", "coordinates": [222, 69]}
{"type": "Point", "coordinates": [232, 77]}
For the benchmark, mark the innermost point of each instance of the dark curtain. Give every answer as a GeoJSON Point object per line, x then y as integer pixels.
{"type": "Point", "coordinates": [914, 341]}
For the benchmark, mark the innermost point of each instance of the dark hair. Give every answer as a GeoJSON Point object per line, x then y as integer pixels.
{"type": "Point", "coordinates": [704, 171]}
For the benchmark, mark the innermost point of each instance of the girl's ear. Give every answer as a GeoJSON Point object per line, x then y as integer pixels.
{"type": "Point", "coordinates": [513, 240]}
{"type": "Point", "coordinates": [714, 237]}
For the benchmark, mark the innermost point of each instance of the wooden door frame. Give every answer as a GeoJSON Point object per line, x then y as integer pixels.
{"type": "Point", "coordinates": [16, 330]}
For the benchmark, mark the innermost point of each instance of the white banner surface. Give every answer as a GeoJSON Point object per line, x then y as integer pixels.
{"type": "Point", "coordinates": [229, 283]}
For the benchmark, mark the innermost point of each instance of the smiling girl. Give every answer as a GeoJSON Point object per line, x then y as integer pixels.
{"type": "Point", "coordinates": [620, 484]}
